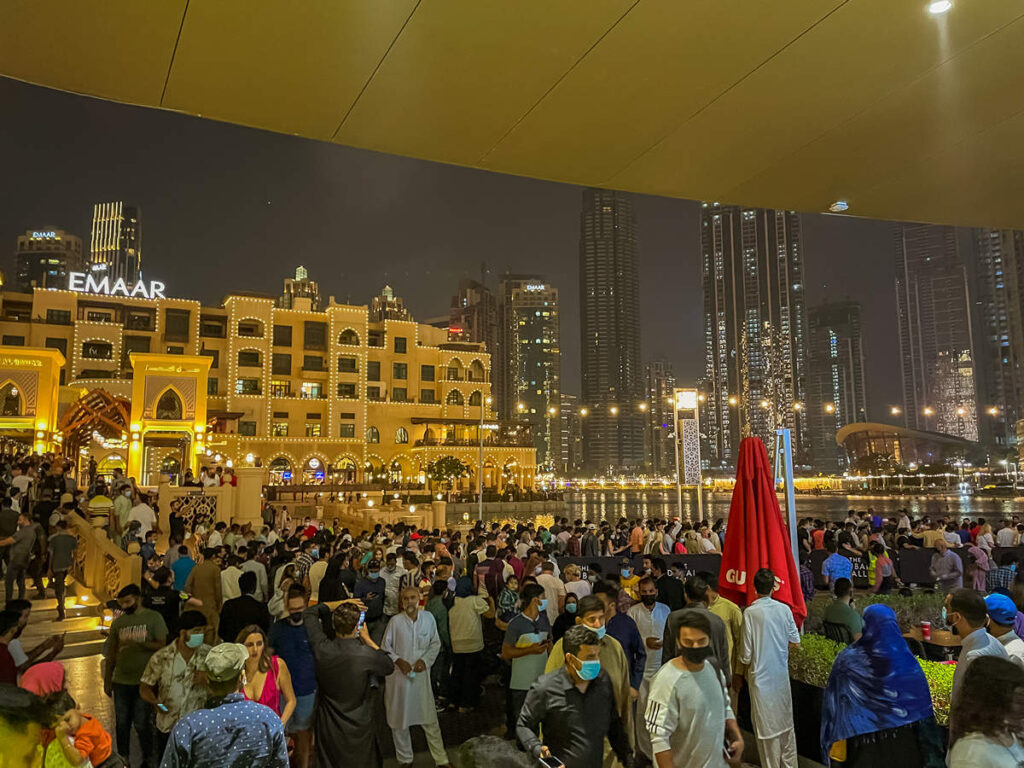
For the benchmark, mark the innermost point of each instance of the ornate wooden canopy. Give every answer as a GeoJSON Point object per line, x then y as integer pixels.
{"type": "Point", "coordinates": [98, 411]}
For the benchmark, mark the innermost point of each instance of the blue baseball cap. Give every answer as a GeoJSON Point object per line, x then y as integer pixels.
{"type": "Point", "coordinates": [1001, 609]}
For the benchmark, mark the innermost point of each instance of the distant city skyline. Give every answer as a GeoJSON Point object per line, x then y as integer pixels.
{"type": "Point", "coordinates": [228, 207]}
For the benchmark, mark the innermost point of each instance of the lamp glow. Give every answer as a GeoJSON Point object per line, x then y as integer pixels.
{"type": "Point", "coordinates": [940, 7]}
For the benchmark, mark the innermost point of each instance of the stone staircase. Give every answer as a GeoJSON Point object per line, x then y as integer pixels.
{"type": "Point", "coordinates": [83, 628]}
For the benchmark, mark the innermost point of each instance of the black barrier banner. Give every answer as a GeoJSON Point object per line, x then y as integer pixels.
{"type": "Point", "coordinates": [680, 565]}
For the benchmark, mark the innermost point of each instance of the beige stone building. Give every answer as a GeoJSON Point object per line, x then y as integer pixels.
{"type": "Point", "coordinates": [311, 395]}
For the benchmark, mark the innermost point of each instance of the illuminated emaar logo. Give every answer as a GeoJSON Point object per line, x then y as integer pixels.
{"type": "Point", "coordinates": [83, 283]}
{"type": "Point", "coordinates": [44, 235]}
{"type": "Point", "coordinates": [536, 287]}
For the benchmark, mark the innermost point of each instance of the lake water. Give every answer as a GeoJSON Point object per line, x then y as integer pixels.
{"type": "Point", "coordinates": [611, 505]}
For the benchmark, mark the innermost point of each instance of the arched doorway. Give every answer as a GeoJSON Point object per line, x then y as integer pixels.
{"type": "Point", "coordinates": [345, 471]}
{"type": "Point", "coordinates": [280, 470]}
{"type": "Point", "coordinates": [313, 471]}
{"type": "Point", "coordinates": [171, 467]}
{"type": "Point", "coordinates": [105, 468]}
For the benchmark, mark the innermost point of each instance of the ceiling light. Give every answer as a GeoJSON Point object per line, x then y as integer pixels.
{"type": "Point", "coordinates": [839, 206]}
{"type": "Point", "coordinates": [939, 7]}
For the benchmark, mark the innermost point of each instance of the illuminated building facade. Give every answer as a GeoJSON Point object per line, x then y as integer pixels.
{"type": "Point", "coordinates": [312, 395]}
{"type": "Point", "coordinates": [659, 434]}
{"type": "Point", "coordinates": [45, 257]}
{"type": "Point", "coordinates": [529, 371]}
{"type": "Point", "coordinates": [836, 388]}
{"type": "Point", "coordinates": [612, 376]}
{"type": "Point", "coordinates": [115, 249]}
{"type": "Point", "coordinates": [754, 328]}
{"type": "Point", "coordinates": [935, 331]}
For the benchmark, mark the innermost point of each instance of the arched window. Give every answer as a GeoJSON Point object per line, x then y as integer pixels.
{"type": "Point", "coordinates": [401, 436]}
{"type": "Point", "coordinates": [10, 400]}
{"type": "Point", "coordinates": [372, 435]}
{"type": "Point", "coordinates": [474, 399]}
{"type": "Point", "coordinates": [455, 398]}
{"type": "Point", "coordinates": [349, 338]}
{"type": "Point", "coordinates": [476, 371]}
{"type": "Point", "coordinates": [169, 406]}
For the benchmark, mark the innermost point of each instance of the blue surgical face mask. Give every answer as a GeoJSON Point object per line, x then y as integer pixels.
{"type": "Point", "coordinates": [625, 573]}
{"type": "Point", "coordinates": [544, 604]}
{"type": "Point", "coordinates": [571, 607]}
{"type": "Point", "coordinates": [589, 670]}
{"type": "Point", "coordinates": [600, 631]}
{"type": "Point", "coordinates": [374, 575]}
{"type": "Point", "coordinates": [194, 640]}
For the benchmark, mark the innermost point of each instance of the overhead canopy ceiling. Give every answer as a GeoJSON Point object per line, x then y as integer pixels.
{"type": "Point", "coordinates": [791, 104]}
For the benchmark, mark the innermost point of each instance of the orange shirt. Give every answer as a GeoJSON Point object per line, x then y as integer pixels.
{"type": "Point", "coordinates": [636, 539]}
{"type": "Point", "coordinates": [92, 741]}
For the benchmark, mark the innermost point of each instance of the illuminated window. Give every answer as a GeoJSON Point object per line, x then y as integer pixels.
{"type": "Point", "coordinates": [401, 436]}
{"type": "Point", "coordinates": [280, 429]}
{"type": "Point", "coordinates": [372, 435]}
{"type": "Point", "coordinates": [313, 429]}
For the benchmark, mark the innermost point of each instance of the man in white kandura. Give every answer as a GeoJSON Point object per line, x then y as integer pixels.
{"type": "Point", "coordinates": [412, 642]}
{"type": "Point", "coordinates": [768, 633]}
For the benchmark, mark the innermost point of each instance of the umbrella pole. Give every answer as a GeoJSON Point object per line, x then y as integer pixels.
{"type": "Point", "coordinates": [784, 474]}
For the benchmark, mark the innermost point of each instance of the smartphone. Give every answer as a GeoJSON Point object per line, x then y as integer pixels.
{"type": "Point", "coordinates": [362, 620]}
{"type": "Point", "coordinates": [551, 762]}
{"type": "Point", "coordinates": [161, 707]}
{"type": "Point", "coordinates": [727, 749]}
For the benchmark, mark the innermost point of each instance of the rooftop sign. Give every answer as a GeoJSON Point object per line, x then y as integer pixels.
{"type": "Point", "coordinates": [83, 283]}
{"type": "Point", "coordinates": [43, 235]}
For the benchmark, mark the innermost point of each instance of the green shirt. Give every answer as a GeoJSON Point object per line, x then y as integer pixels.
{"type": "Point", "coordinates": [437, 609]}
{"type": "Point", "coordinates": [131, 631]}
{"type": "Point", "coordinates": [839, 612]}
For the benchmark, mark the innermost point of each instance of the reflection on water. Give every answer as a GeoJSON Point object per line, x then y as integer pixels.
{"type": "Point", "coordinates": [611, 505]}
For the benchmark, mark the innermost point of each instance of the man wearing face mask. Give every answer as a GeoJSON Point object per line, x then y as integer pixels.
{"type": "Point", "coordinates": [133, 639]}
{"type": "Point", "coordinates": [688, 713]}
{"type": "Point", "coordinates": [650, 617]}
{"type": "Point", "coordinates": [370, 591]}
{"type": "Point", "coordinates": [591, 613]}
{"type": "Point", "coordinates": [575, 708]}
{"type": "Point", "coordinates": [290, 641]}
{"type": "Point", "coordinates": [966, 613]}
{"type": "Point", "coordinates": [174, 681]}
{"type": "Point", "coordinates": [412, 642]}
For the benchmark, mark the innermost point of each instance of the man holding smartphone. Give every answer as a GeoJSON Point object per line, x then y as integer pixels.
{"type": "Point", "coordinates": [689, 718]}
{"type": "Point", "coordinates": [575, 708]}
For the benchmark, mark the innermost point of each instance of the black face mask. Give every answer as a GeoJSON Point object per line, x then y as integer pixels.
{"type": "Point", "coordinates": [648, 600]}
{"type": "Point", "coordinates": [130, 610]}
{"type": "Point", "coordinates": [295, 618]}
{"type": "Point", "coordinates": [696, 655]}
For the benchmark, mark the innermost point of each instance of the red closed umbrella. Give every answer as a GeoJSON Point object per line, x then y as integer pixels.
{"type": "Point", "coordinates": [756, 536]}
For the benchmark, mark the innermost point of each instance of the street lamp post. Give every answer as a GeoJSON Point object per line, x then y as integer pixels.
{"type": "Point", "coordinates": [480, 461]}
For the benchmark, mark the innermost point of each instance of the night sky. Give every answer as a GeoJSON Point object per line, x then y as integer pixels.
{"type": "Point", "coordinates": [231, 208]}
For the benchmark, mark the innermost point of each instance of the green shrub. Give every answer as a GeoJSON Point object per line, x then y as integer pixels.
{"type": "Point", "coordinates": [812, 662]}
{"type": "Point", "coordinates": [910, 611]}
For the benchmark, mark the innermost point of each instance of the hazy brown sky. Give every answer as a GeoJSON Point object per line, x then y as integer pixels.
{"type": "Point", "coordinates": [225, 207]}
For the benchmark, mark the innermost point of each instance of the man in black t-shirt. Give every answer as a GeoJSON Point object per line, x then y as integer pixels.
{"type": "Point", "coordinates": [165, 599]}
{"type": "Point", "coordinates": [846, 542]}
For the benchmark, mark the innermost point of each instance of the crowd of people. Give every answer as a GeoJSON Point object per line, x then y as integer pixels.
{"type": "Point", "coordinates": [304, 642]}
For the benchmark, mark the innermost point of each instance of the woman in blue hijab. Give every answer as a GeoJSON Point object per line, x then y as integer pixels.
{"type": "Point", "coordinates": [877, 702]}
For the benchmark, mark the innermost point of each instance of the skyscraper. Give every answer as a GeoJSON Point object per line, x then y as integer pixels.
{"type": "Point", "coordinates": [754, 325]}
{"type": "Point", "coordinates": [836, 389]}
{"type": "Point", "coordinates": [572, 436]}
{"type": "Point", "coordinates": [935, 333]}
{"type": "Point", "coordinates": [387, 306]}
{"type": "Point", "coordinates": [300, 292]}
{"type": "Point", "coordinates": [528, 371]}
{"type": "Point", "coordinates": [996, 277]}
{"type": "Point", "coordinates": [116, 246]}
{"type": "Point", "coordinates": [613, 433]}
{"type": "Point", "coordinates": [45, 257]}
{"type": "Point", "coordinates": [473, 317]}
{"type": "Point", "coordinates": [659, 433]}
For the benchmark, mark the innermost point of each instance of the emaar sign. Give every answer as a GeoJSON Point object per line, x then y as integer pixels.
{"type": "Point", "coordinates": [83, 283]}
